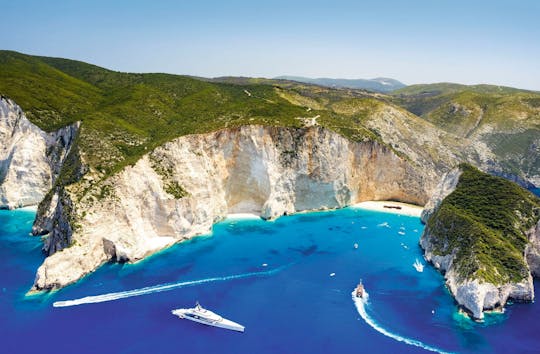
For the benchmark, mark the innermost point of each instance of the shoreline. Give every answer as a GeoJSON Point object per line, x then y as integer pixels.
{"type": "Point", "coordinates": [32, 208]}
{"type": "Point", "coordinates": [404, 208]}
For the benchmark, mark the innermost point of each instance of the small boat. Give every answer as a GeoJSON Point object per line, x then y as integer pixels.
{"type": "Point", "coordinates": [207, 317]}
{"type": "Point", "coordinates": [355, 246]}
{"type": "Point", "coordinates": [359, 291]}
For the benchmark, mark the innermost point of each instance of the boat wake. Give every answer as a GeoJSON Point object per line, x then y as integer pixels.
{"type": "Point", "coordinates": [361, 308]}
{"type": "Point", "coordinates": [418, 266]}
{"type": "Point", "coordinates": [159, 288]}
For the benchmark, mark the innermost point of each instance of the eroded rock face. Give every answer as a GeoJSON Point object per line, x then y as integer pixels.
{"type": "Point", "coordinates": [25, 173]}
{"type": "Point", "coordinates": [446, 186]}
{"type": "Point", "coordinates": [532, 251]}
{"type": "Point", "coordinates": [477, 297]}
{"type": "Point", "coordinates": [267, 171]}
{"type": "Point", "coordinates": [30, 159]}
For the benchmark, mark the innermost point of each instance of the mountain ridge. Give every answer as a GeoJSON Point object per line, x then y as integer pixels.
{"type": "Point", "coordinates": [379, 84]}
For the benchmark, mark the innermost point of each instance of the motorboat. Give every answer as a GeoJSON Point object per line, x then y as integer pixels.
{"type": "Point", "coordinates": [207, 317]}
{"type": "Point", "coordinates": [359, 291]}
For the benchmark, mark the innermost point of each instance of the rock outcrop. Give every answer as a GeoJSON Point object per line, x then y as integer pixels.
{"type": "Point", "coordinates": [453, 242]}
{"type": "Point", "coordinates": [30, 159]}
{"type": "Point", "coordinates": [25, 174]}
{"type": "Point", "coordinates": [446, 186]}
{"type": "Point", "coordinates": [477, 296]}
{"type": "Point", "coordinates": [180, 189]}
{"type": "Point", "coordinates": [532, 251]}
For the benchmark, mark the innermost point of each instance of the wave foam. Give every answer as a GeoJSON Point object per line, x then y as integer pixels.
{"type": "Point", "coordinates": [158, 288]}
{"type": "Point", "coordinates": [360, 307]}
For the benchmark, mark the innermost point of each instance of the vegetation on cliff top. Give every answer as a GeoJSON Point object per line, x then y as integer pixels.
{"type": "Point", "coordinates": [484, 221]}
{"type": "Point", "coordinates": [126, 115]}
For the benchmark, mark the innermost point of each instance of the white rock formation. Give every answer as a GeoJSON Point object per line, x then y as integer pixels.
{"type": "Point", "coordinates": [532, 250]}
{"type": "Point", "coordinates": [476, 296]}
{"type": "Point", "coordinates": [267, 171]}
{"type": "Point", "coordinates": [25, 173]}
{"type": "Point", "coordinates": [30, 159]}
{"type": "Point", "coordinates": [446, 186]}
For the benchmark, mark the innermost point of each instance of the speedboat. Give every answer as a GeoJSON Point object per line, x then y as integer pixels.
{"type": "Point", "coordinates": [207, 317]}
{"type": "Point", "coordinates": [359, 291]}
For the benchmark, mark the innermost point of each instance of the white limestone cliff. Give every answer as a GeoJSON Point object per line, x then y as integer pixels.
{"type": "Point", "coordinates": [30, 159]}
{"type": "Point", "coordinates": [532, 250]}
{"type": "Point", "coordinates": [268, 171]}
{"type": "Point", "coordinates": [446, 186]}
{"type": "Point", "coordinates": [25, 174]}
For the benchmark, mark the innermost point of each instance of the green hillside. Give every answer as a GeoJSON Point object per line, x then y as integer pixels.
{"type": "Point", "coordinates": [124, 115]}
{"type": "Point", "coordinates": [484, 222]}
{"type": "Point", "coordinates": [506, 120]}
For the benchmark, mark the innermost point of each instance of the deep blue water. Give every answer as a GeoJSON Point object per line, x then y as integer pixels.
{"type": "Point", "coordinates": [295, 307]}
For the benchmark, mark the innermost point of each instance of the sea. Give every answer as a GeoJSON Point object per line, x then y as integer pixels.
{"type": "Point", "coordinates": [288, 281]}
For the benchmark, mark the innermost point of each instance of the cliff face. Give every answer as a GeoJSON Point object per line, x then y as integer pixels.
{"type": "Point", "coordinates": [25, 173]}
{"type": "Point", "coordinates": [30, 159]}
{"type": "Point", "coordinates": [532, 251]}
{"type": "Point", "coordinates": [486, 261]}
{"type": "Point", "coordinates": [180, 189]}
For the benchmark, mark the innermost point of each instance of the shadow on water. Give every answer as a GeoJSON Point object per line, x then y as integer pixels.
{"type": "Point", "coordinates": [308, 251]}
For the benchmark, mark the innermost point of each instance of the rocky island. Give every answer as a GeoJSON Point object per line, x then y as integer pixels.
{"type": "Point", "coordinates": [124, 165]}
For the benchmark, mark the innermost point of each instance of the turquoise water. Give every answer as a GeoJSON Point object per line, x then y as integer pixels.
{"type": "Point", "coordinates": [272, 277]}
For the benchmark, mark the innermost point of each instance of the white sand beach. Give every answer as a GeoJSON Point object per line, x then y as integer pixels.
{"type": "Point", "coordinates": [29, 208]}
{"type": "Point", "coordinates": [242, 216]}
{"type": "Point", "coordinates": [391, 207]}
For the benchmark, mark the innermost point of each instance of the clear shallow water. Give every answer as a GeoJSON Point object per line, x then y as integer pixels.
{"type": "Point", "coordinates": [293, 306]}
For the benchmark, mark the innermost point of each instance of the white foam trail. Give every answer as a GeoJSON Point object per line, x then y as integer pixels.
{"type": "Point", "coordinates": [418, 266]}
{"type": "Point", "coordinates": [360, 306]}
{"type": "Point", "coordinates": [157, 288]}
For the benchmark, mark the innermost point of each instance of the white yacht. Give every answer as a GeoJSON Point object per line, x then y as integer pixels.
{"type": "Point", "coordinates": [207, 317]}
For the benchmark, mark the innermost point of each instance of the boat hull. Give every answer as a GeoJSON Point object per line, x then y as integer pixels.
{"type": "Point", "coordinates": [220, 323]}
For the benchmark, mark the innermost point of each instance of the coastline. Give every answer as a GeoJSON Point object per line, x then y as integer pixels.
{"type": "Point", "coordinates": [404, 208]}
{"type": "Point", "coordinates": [372, 205]}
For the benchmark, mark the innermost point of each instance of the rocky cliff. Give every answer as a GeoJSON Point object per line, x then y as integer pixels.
{"type": "Point", "coordinates": [180, 189]}
{"type": "Point", "coordinates": [482, 232]}
{"type": "Point", "coordinates": [30, 159]}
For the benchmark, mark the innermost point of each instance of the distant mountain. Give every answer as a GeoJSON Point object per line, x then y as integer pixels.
{"type": "Point", "coordinates": [443, 88]}
{"type": "Point", "coordinates": [380, 84]}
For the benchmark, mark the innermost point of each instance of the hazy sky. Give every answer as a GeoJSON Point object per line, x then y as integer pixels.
{"type": "Point", "coordinates": [416, 41]}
